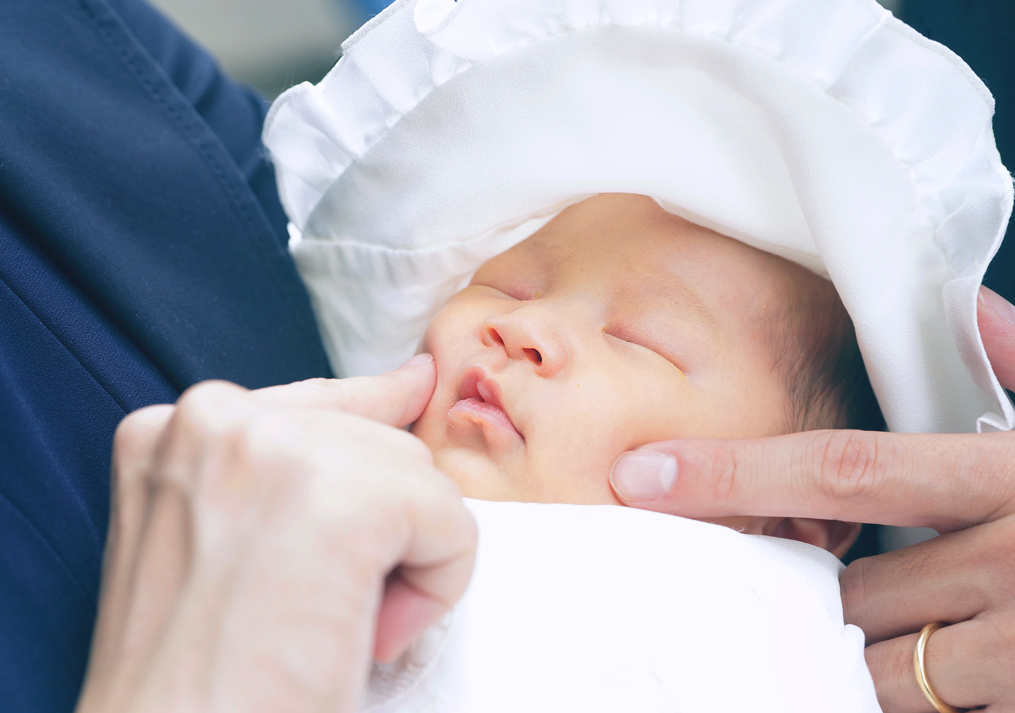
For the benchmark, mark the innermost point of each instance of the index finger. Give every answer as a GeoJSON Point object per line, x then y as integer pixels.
{"type": "Point", "coordinates": [396, 398]}
{"type": "Point", "coordinates": [946, 482]}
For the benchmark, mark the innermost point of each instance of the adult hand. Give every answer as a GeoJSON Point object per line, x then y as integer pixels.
{"type": "Point", "coordinates": [264, 544]}
{"type": "Point", "coordinates": [962, 485]}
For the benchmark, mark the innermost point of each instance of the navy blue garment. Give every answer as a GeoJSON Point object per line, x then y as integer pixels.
{"type": "Point", "coordinates": [142, 249]}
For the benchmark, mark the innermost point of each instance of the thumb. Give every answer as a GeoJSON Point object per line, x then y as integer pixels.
{"type": "Point", "coordinates": [996, 318]}
{"type": "Point", "coordinates": [397, 398]}
{"type": "Point", "coordinates": [910, 479]}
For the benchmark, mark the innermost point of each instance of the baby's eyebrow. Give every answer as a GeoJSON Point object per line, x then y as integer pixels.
{"type": "Point", "coordinates": [678, 312]}
{"type": "Point", "coordinates": [681, 297]}
{"type": "Point", "coordinates": [693, 301]}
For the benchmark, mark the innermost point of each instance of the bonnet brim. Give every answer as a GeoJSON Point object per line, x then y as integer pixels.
{"type": "Point", "coordinates": [825, 131]}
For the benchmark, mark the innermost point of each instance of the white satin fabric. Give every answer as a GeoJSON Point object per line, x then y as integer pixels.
{"type": "Point", "coordinates": [825, 131]}
{"type": "Point", "coordinates": [603, 609]}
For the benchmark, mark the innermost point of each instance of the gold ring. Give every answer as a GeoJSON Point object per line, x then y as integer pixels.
{"type": "Point", "coordinates": [921, 670]}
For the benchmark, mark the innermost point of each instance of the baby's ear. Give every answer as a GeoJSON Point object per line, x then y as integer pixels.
{"type": "Point", "coordinates": [832, 535]}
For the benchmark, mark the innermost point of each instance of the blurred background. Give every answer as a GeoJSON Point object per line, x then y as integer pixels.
{"type": "Point", "coordinates": [274, 44]}
{"type": "Point", "coordinates": [271, 44]}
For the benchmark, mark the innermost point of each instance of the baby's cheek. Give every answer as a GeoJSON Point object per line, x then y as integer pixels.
{"type": "Point", "coordinates": [446, 340]}
{"type": "Point", "coordinates": [576, 448]}
{"type": "Point", "coordinates": [437, 333]}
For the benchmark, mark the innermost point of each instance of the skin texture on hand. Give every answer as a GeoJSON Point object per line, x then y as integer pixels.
{"type": "Point", "coordinates": [961, 485]}
{"type": "Point", "coordinates": [243, 573]}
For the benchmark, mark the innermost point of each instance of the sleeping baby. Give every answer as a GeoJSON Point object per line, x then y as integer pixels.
{"type": "Point", "coordinates": [616, 324]}
{"type": "Point", "coordinates": [625, 221]}
{"type": "Point", "coordinates": [619, 324]}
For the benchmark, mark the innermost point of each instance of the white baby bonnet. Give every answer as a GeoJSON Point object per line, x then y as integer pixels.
{"type": "Point", "coordinates": [824, 131]}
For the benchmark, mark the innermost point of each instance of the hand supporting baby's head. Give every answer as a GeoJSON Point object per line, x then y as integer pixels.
{"type": "Point", "coordinates": [620, 324]}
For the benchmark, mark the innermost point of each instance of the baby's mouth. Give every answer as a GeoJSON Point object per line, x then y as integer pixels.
{"type": "Point", "coordinates": [480, 399]}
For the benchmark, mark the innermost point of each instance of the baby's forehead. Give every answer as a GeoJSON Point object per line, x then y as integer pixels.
{"type": "Point", "coordinates": [631, 246]}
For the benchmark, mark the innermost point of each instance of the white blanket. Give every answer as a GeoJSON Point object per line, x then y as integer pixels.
{"type": "Point", "coordinates": [601, 608]}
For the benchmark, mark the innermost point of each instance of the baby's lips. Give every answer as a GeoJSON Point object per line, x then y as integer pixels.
{"type": "Point", "coordinates": [479, 386]}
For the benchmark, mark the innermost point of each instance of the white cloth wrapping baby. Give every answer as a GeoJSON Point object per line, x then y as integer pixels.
{"type": "Point", "coordinates": [607, 609]}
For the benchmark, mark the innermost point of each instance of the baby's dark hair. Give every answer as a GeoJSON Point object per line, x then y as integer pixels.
{"type": "Point", "coordinates": [817, 355]}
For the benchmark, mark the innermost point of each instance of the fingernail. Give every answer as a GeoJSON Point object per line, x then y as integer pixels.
{"type": "Point", "coordinates": [997, 304]}
{"type": "Point", "coordinates": [418, 360]}
{"type": "Point", "coordinates": [642, 476]}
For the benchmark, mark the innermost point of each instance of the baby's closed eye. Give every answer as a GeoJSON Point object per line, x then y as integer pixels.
{"type": "Point", "coordinates": [516, 291]}
{"type": "Point", "coordinates": [639, 339]}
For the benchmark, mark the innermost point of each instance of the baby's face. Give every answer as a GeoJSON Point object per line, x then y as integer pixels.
{"type": "Point", "coordinates": [616, 325]}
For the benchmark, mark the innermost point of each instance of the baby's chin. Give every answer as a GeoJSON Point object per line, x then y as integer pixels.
{"type": "Point", "coordinates": [476, 474]}
{"type": "Point", "coordinates": [465, 454]}
{"type": "Point", "coordinates": [481, 477]}
{"type": "Point", "coordinates": [484, 471]}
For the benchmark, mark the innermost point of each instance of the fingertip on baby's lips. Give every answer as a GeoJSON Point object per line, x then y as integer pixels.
{"type": "Point", "coordinates": [643, 476]}
{"type": "Point", "coordinates": [414, 383]}
{"type": "Point", "coordinates": [418, 360]}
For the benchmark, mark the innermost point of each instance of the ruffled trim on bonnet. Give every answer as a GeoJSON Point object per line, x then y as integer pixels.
{"type": "Point", "coordinates": [923, 103]}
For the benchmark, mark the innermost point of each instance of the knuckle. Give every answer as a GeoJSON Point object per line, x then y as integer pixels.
{"type": "Point", "coordinates": [207, 411]}
{"type": "Point", "coordinates": [205, 398]}
{"type": "Point", "coordinates": [134, 427]}
{"type": "Point", "coordinates": [724, 473]}
{"type": "Point", "coordinates": [205, 435]}
{"type": "Point", "coordinates": [138, 432]}
{"type": "Point", "coordinates": [850, 465]}
{"type": "Point", "coordinates": [987, 462]}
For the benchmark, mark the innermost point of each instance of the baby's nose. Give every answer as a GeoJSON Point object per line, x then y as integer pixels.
{"type": "Point", "coordinates": [531, 353]}
{"type": "Point", "coordinates": [523, 336]}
